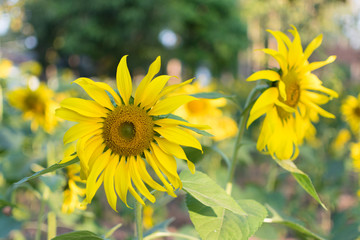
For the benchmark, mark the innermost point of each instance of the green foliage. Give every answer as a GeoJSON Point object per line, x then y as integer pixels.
{"type": "Point", "coordinates": [208, 32]}
{"type": "Point", "coordinates": [302, 178]}
{"type": "Point", "coordinates": [215, 214]}
{"type": "Point", "coordinates": [80, 235]}
{"type": "Point", "coordinates": [47, 170]}
{"type": "Point", "coordinates": [205, 190]}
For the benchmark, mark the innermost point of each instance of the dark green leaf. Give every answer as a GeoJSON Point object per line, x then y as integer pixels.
{"type": "Point", "coordinates": [303, 179]}
{"type": "Point", "coordinates": [4, 203]}
{"type": "Point", "coordinates": [47, 170]}
{"type": "Point", "coordinates": [291, 223]}
{"type": "Point", "coordinates": [80, 235]}
{"type": "Point", "coordinates": [205, 190]}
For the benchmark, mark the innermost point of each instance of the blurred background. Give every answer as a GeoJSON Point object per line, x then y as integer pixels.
{"type": "Point", "coordinates": [52, 43]}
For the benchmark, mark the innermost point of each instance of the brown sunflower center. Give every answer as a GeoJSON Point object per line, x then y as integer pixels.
{"type": "Point", "coordinates": [357, 111]}
{"type": "Point", "coordinates": [128, 130]}
{"type": "Point", "coordinates": [34, 103]}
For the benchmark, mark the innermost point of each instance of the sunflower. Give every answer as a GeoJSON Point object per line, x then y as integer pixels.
{"type": "Point", "coordinates": [73, 191]}
{"type": "Point", "coordinates": [351, 112]}
{"type": "Point", "coordinates": [342, 138]}
{"type": "Point", "coordinates": [118, 134]}
{"type": "Point", "coordinates": [355, 155]}
{"type": "Point", "coordinates": [37, 105]}
{"type": "Point", "coordinates": [292, 102]}
{"type": "Point", "coordinates": [207, 111]}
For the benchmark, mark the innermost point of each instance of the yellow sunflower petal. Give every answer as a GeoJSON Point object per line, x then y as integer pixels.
{"type": "Point", "coordinates": [81, 129]}
{"type": "Point", "coordinates": [172, 88]}
{"type": "Point", "coordinates": [153, 70]}
{"type": "Point", "coordinates": [264, 74]}
{"type": "Point", "coordinates": [135, 194]}
{"type": "Point", "coordinates": [178, 136]}
{"type": "Point", "coordinates": [150, 159]}
{"type": "Point", "coordinates": [171, 148]}
{"type": "Point", "coordinates": [73, 116]}
{"type": "Point", "coordinates": [315, 65]}
{"type": "Point", "coordinates": [109, 185]}
{"type": "Point", "coordinates": [321, 111]}
{"type": "Point", "coordinates": [135, 176]}
{"type": "Point", "coordinates": [170, 104]}
{"type": "Point", "coordinates": [122, 179]}
{"type": "Point", "coordinates": [152, 91]}
{"type": "Point", "coordinates": [280, 38]}
{"type": "Point", "coordinates": [95, 92]}
{"type": "Point", "coordinates": [146, 176]}
{"type": "Point", "coordinates": [314, 44]}
{"type": "Point", "coordinates": [123, 80]}
{"type": "Point", "coordinates": [279, 58]}
{"type": "Point", "coordinates": [96, 175]}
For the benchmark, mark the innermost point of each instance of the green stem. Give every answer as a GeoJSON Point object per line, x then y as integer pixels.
{"type": "Point", "coordinates": [40, 218]}
{"type": "Point", "coordinates": [240, 133]}
{"type": "Point", "coordinates": [138, 220]}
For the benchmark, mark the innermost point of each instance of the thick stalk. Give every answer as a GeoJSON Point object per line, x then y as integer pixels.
{"type": "Point", "coordinates": [138, 220]}
{"type": "Point", "coordinates": [240, 133]}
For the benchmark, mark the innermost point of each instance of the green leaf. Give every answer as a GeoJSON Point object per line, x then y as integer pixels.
{"type": "Point", "coordinates": [80, 235]}
{"type": "Point", "coordinates": [205, 190]}
{"type": "Point", "coordinates": [47, 170]}
{"type": "Point", "coordinates": [8, 224]}
{"type": "Point", "coordinates": [291, 223]}
{"type": "Point", "coordinates": [4, 203]}
{"type": "Point", "coordinates": [211, 95]}
{"type": "Point", "coordinates": [54, 182]}
{"type": "Point", "coordinates": [218, 223]}
{"type": "Point", "coordinates": [302, 178]}
{"type": "Point", "coordinates": [198, 131]}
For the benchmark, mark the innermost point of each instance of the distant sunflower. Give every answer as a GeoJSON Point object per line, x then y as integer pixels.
{"type": "Point", "coordinates": [355, 155]}
{"type": "Point", "coordinates": [291, 104]}
{"type": "Point", "coordinates": [207, 111]}
{"type": "Point", "coordinates": [351, 112]}
{"type": "Point", "coordinates": [115, 137]}
{"type": "Point", "coordinates": [37, 105]}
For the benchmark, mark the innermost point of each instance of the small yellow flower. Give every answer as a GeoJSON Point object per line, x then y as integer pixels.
{"type": "Point", "coordinates": [73, 191]}
{"type": "Point", "coordinates": [291, 104]}
{"type": "Point", "coordinates": [31, 68]}
{"type": "Point", "coordinates": [206, 111]}
{"type": "Point", "coordinates": [355, 155]}
{"type": "Point", "coordinates": [37, 105]}
{"type": "Point", "coordinates": [351, 112]}
{"type": "Point", "coordinates": [148, 217]}
{"type": "Point", "coordinates": [342, 138]}
{"type": "Point", "coordinates": [116, 138]}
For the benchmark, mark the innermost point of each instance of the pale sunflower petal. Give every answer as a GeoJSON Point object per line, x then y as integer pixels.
{"type": "Point", "coordinates": [171, 148]}
{"type": "Point", "coordinates": [73, 116]}
{"type": "Point", "coordinates": [315, 65]}
{"type": "Point", "coordinates": [146, 176]}
{"type": "Point", "coordinates": [84, 107]}
{"type": "Point", "coordinates": [170, 104]}
{"type": "Point", "coordinates": [151, 94]}
{"type": "Point", "coordinates": [172, 88]}
{"type": "Point", "coordinates": [123, 80]}
{"type": "Point", "coordinates": [314, 44]}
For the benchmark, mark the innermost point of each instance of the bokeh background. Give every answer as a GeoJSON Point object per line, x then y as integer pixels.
{"type": "Point", "coordinates": [54, 42]}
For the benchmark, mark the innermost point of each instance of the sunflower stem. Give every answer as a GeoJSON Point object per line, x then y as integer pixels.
{"type": "Point", "coordinates": [138, 220]}
{"type": "Point", "coordinates": [44, 198]}
{"type": "Point", "coordinates": [240, 133]}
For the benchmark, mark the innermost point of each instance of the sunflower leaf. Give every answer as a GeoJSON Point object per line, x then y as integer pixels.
{"type": "Point", "coordinates": [302, 178]}
{"type": "Point", "coordinates": [198, 131]}
{"type": "Point", "coordinates": [47, 170]}
{"type": "Point", "coordinates": [206, 191]}
{"type": "Point", "coordinates": [79, 235]}
{"type": "Point", "coordinates": [291, 223]}
{"type": "Point", "coordinates": [211, 95]}
{"type": "Point", "coordinates": [215, 223]}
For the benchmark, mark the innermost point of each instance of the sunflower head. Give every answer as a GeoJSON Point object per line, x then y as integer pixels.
{"type": "Point", "coordinates": [292, 102]}
{"type": "Point", "coordinates": [119, 142]}
{"type": "Point", "coordinates": [37, 105]}
{"type": "Point", "coordinates": [351, 112]}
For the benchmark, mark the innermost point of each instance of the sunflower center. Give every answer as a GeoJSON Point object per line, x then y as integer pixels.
{"type": "Point", "coordinates": [197, 106]}
{"type": "Point", "coordinates": [128, 130]}
{"type": "Point", "coordinates": [357, 111]}
{"type": "Point", "coordinates": [34, 103]}
{"type": "Point", "coordinates": [292, 95]}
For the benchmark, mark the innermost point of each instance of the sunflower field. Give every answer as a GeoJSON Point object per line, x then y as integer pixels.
{"type": "Point", "coordinates": [173, 120]}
